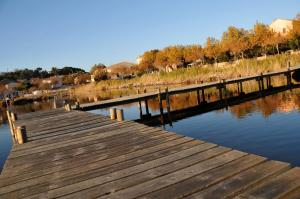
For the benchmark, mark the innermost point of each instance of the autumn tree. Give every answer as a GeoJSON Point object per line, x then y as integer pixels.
{"type": "Point", "coordinates": [161, 60]}
{"type": "Point", "coordinates": [213, 48]}
{"type": "Point", "coordinates": [193, 53]}
{"type": "Point", "coordinates": [236, 41]}
{"type": "Point", "coordinates": [99, 71]}
{"type": "Point", "coordinates": [277, 39]}
{"type": "Point", "coordinates": [260, 36]}
{"type": "Point", "coordinates": [175, 55]}
{"type": "Point", "coordinates": [147, 61]}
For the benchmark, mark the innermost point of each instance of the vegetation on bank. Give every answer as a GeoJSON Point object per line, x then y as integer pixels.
{"type": "Point", "coordinates": [235, 43]}
{"type": "Point", "coordinates": [194, 75]}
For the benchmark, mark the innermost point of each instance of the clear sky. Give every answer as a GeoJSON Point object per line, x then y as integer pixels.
{"type": "Point", "coordinates": [80, 33]}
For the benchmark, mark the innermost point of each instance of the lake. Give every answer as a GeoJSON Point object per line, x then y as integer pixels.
{"type": "Point", "coordinates": [267, 126]}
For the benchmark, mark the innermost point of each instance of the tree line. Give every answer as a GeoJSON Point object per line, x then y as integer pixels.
{"type": "Point", "coordinates": [26, 74]}
{"type": "Point", "coordinates": [235, 43]}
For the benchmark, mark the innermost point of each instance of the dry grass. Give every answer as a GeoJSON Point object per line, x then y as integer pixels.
{"type": "Point", "coordinates": [191, 75]}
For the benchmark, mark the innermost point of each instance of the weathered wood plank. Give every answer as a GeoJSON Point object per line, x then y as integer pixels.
{"type": "Point", "coordinates": [72, 150]}
{"type": "Point", "coordinates": [242, 181]}
{"type": "Point", "coordinates": [206, 179]}
{"type": "Point", "coordinates": [152, 170]}
{"type": "Point", "coordinates": [175, 177]}
{"type": "Point", "coordinates": [277, 187]}
{"type": "Point", "coordinates": [106, 160]}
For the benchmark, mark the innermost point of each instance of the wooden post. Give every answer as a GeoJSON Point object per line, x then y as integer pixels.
{"type": "Point", "coordinates": [224, 89]}
{"type": "Point", "coordinates": [168, 105]}
{"type": "Point", "coordinates": [120, 115]}
{"type": "Point", "coordinates": [147, 107]}
{"type": "Point", "coordinates": [241, 88]}
{"type": "Point", "coordinates": [146, 104]}
{"type": "Point", "coordinates": [21, 134]}
{"type": "Point", "coordinates": [140, 106]}
{"type": "Point", "coordinates": [140, 109]}
{"type": "Point", "coordinates": [220, 87]}
{"type": "Point", "coordinates": [77, 105]}
{"type": "Point", "coordinates": [198, 97]}
{"type": "Point", "coordinates": [259, 84]}
{"type": "Point", "coordinates": [289, 76]}
{"type": "Point", "coordinates": [238, 88]}
{"type": "Point", "coordinates": [54, 103]}
{"type": "Point", "coordinates": [268, 82]}
{"type": "Point", "coordinates": [68, 107]}
{"type": "Point", "coordinates": [262, 82]}
{"type": "Point", "coordinates": [13, 117]}
{"type": "Point", "coordinates": [10, 123]}
{"type": "Point", "coordinates": [203, 95]}
{"type": "Point", "coordinates": [161, 109]}
{"type": "Point", "coordinates": [113, 113]}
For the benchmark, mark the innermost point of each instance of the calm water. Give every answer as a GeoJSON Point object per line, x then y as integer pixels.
{"type": "Point", "coordinates": [5, 143]}
{"type": "Point", "coordinates": [267, 126]}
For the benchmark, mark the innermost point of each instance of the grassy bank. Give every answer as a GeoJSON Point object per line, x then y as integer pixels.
{"type": "Point", "coordinates": [194, 75]}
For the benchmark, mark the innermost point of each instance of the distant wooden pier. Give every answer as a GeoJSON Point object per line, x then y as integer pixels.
{"type": "Point", "coordinates": [264, 82]}
{"type": "Point", "coordinates": [74, 154]}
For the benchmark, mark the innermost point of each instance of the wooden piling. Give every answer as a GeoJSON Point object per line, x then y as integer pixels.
{"type": "Point", "coordinates": [21, 135]}
{"type": "Point", "coordinates": [146, 104]}
{"type": "Point", "coordinates": [113, 113]}
{"type": "Point", "coordinates": [13, 117]}
{"type": "Point", "coordinates": [10, 124]}
{"type": "Point", "coordinates": [54, 103]}
{"type": "Point", "coordinates": [67, 107]}
{"type": "Point", "coordinates": [241, 88]}
{"type": "Point", "coordinates": [77, 105]}
{"type": "Point", "coordinates": [140, 106]}
{"type": "Point", "coordinates": [168, 105]}
{"type": "Point", "coordinates": [120, 115]}
{"type": "Point", "coordinates": [220, 87]}
{"type": "Point", "coordinates": [288, 76]}
{"type": "Point", "coordinates": [198, 97]}
{"type": "Point", "coordinates": [203, 95]}
{"type": "Point", "coordinates": [161, 109]}
{"type": "Point", "coordinates": [259, 84]}
{"type": "Point", "coordinates": [225, 90]}
{"type": "Point", "coordinates": [262, 82]}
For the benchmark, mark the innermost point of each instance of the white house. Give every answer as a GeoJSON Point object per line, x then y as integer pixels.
{"type": "Point", "coordinates": [282, 26]}
{"type": "Point", "coordinates": [139, 59]}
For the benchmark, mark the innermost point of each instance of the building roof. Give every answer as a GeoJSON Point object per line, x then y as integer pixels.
{"type": "Point", "coordinates": [7, 81]}
{"type": "Point", "coordinates": [120, 67]}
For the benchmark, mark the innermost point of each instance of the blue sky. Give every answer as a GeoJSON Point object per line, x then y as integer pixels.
{"type": "Point", "coordinates": [80, 33]}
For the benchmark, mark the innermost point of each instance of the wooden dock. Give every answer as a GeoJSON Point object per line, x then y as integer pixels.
{"type": "Point", "coordinates": [74, 154]}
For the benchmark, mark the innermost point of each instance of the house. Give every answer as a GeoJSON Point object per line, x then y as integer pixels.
{"type": "Point", "coordinates": [8, 89]}
{"type": "Point", "coordinates": [198, 62]}
{"type": "Point", "coordinates": [139, 60]}
{"type": "Point", "coordinates": [54, 82]}
{"type": "Point", "coordinates": [122, 70]}
{"type": "Point", "coordinates": [282, 26]}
